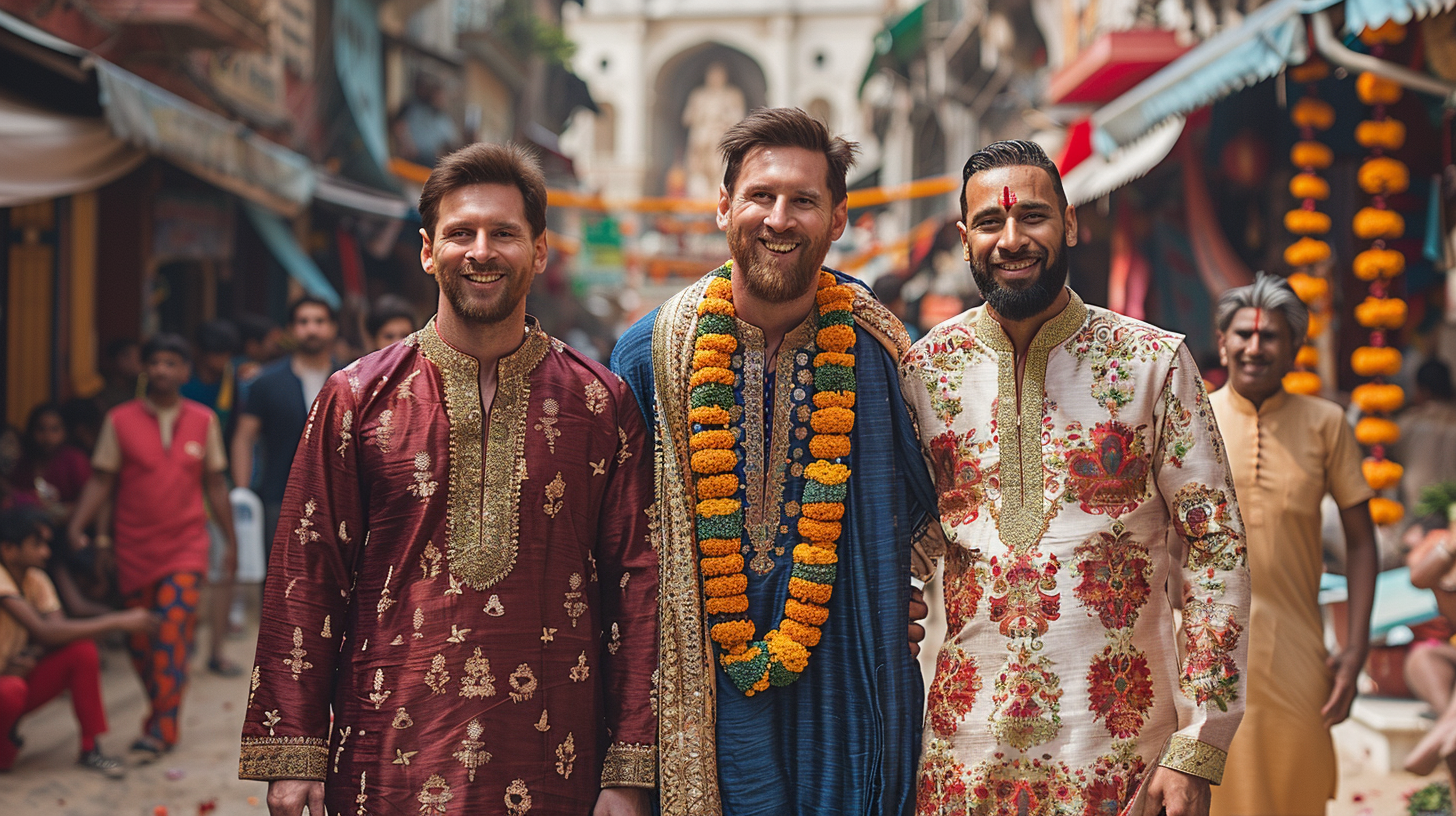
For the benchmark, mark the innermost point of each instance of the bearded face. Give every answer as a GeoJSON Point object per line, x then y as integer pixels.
{"type": "Point", "coordinates": [1024, 300]}
{"type": "Point", "coordinates": [1016, 235]}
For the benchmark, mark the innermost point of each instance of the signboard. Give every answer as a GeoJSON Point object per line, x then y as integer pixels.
{"type": "Point", "coordinates": [358, 58]}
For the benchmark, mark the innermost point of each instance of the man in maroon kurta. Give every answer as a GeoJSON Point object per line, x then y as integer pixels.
{"type": "Point", "coordinates": [460, 613]}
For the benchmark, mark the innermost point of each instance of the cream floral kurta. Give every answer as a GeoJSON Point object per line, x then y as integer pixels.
{"type": "Point", "coordinates": [1060, 683]}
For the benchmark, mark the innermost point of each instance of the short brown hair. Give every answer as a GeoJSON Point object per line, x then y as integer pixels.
{"type": "Point", "coordinates": [485, 163]}
{"type": "Point", "coordinates": [786, 127]}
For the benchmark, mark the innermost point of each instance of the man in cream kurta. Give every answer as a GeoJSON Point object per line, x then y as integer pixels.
{"type": "Point", "coordinates": [1076, 464]}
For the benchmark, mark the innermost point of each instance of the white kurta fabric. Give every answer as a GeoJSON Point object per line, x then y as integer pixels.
{"type": "Point", "coordinates": [1067, 519]}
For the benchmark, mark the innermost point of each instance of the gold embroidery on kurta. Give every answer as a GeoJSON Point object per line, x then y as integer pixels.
{"type": "Point", "coordinates": [542, 725]}
{"type": "Point", "coordinates": [339, 749]}
{"type": "Point", "coordinates": [581, 671]}
{"type": "Point", "coordinates": [361, 797]}
{"type": "Point", "coordinates": [424, 487]}
{"type": "Point", "coordinates": [616, 642]}
{"type": "Point", "coordinates": [305, 532]}
{"type": "Point", "coordinates": [477, 680]}
{"type": "Point", "coordinates": [547, 426]}
{"type": "Point", "coordinates": [403, 757]}
{"type": "Point", "coordinates": [596, 397]}
{"type": "Point", "coordinates": [270, 719]}
{"type": "Point", "coordinates": [457, 635]}
{"type": "Point", "coordinates": [437, 676]}
{"type": "Point", "coordinates": [493, 606]}
{"type": "Point", "coordinates": [623, 452]}
{"type": "Point", "coordinates": [385, 430]}
{"type": "Point", "coordinates": [599, 468]}
{"type": "Point", "coordinates": [523, 683]}
{"type": "Point", "coordinates": [402, 719]}
{"type": "Point", "coordinates": [554, 491]}
{"type": "Point", "coordinates": [344, 532]}
{"type": "Point", "coordinates": [454, 588]}
{"type": "Point", "coordinates": [434, 795]}
{"type": "Point", "coordinates": [430, 560]}
{"type": "Point", "coordinates": [472, 753]}
{"type": "Point", "coordinates": [327, 632]}
{"type": "Point", "coordinates": [312, 415]}
{"type": "Point", "coordinates": [483, 540]}
{"type": "Point", "coordinates": [253, 683]}
{"type": "Point", "coordinates": [385, 602]}
{"type": "Point", "coordinates": [295, 661]}
{"type": "Point", "coordinates": [419, 622]}
{"type": "Point", "coordinates": [566, 756]}
{"type": "Point", "coordinates": [380, 693]}
{"type": "Point", "coordinates": [518, 798]}
{"type": "Point", "coordinates": [288, 590]}
{"type": "Point", "coordinates": [575, 600]}
{"type": "Point", "coordinates": [346, 424]}
{"type": "Point", "coordinates": [548, 634]}
{"type": "Point", "coordinates": [404, 390]}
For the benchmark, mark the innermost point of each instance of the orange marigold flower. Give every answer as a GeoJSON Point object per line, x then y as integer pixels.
{"type": "Point", "coordinates": [834, 399]}
{"type": "Point", "coordinates": [718, 507]}
{"type": "Point", "coordinates": [733, 634]}
{"type": "Point", "coordinates": [836, 306]}
{"type": "Point", "coordinates": [1376, 431]}
{"type": "Point", "coordinates": [829, 446]}
{"type": "Point", "coordinates": [734, 605]}
{"type": "Point", "coordinates": [1311, 154]}
{"type": "Point", "coordinates": [717, 487]}
{"type": "Point", "coordinates": [722, 565]}
{"type": "Point", "coordinates": [714, 461]}
{"type": "Point", "coordinates": [1307, 222]}
{"type": "Point", "coordinates": [714, 305]}
{"type": "Point", "coordinates": [820, 552]}
{"type": "Point", "coordinates": [1302, 382]}
{"type": "Point", "coordinates": [1377, 90]}
{"type": "Point", "coordinates": [834, 358]}
{"type": "Point", "coordinates": [787, 651]}
{"type": "Point", "coordinates": [1383, 175]}
{"type": "Point", "coordinates": [719, 288]}
{"type": "Point", "coordinates": [1381, 473]}
{"type": "Point", "coordinates": [827, 279]}
{"type": "Point", "coordinates": [1385, 511]}
{"type": "Point", "coordinates": [715, 547]}
{"type": "Point", "coordinates": [1306, 252]}
{"type": "Point", "coordinates": [725, 343]}
{"type": "Point", "coordinates": [708, 358]}
{"type": "Point", "coordinates": [823, 511]}
{"type": "Point", "coordinates": [709, 415]}
{"type": "Point", "coordinates": [807, 635]}
{"type": "Point", "coordinates": [1308, 185]}
{"type": "Point", "coordinates": [703, 440]}
{"type": "Point", "coordinates": [835, 337]}
{"type": "Point", "coordinates": [1387, 134]}
{"type": "Point", "coordinates": [1313, 113]}
{"type": "Point", "coordinates": [725, 585]}
{"type": "Point", "coordinates": [1306, 357]}
{"type": "Point", "coordinates": [1371, 223]}
{"type": "Point", "coordinates": [831, 294]}
{"type": "Point", "coordinates": [712, 375]}
{"type": "Point", "coordinates": [827, 473]}
{"type": "Point", "coordinates": [1378, 263]}
{"type": "Point", "coordinates": [819, 530]}
{"type": "Point", "coordinates": [807, 614]}
{"type": "Point", "coordinates": [832, 421]}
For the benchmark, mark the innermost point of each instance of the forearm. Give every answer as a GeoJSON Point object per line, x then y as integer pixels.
{"type": "Point", "coordinates": [95, 494]}
{"type": "Point", "coordinates": [245, 437]}
{"type": "Point", "coordinates": [222, 508]}
{"type": "Point", "coordinates": [1362, 565]}
{"type": "Point", "coordinates": [60, 631]}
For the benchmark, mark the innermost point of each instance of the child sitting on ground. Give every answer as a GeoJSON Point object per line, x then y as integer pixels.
{"type": "Point", "coordinates": [42, 653]}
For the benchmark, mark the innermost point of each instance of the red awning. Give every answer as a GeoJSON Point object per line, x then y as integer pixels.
{"type": "Point", "coordinates": [1113, 64]}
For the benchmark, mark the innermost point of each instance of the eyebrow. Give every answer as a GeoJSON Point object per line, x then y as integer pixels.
{"type": "Point", "coordinates": [996, 209]}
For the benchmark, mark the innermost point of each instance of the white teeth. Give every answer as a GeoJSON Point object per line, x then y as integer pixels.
{"type": "Point", "coordinates": [780, 247]}
{"type": "Point", "coordinates": [1014, 267]}
{"type": "Point", "coordinates": [483, 278]}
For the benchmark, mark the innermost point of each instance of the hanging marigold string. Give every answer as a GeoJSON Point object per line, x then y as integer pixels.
{"type": "Point", "coordinates": [783, 654]}
{"type": "Point", "coordinates": [1379, 176]}
{"type": "Point", "coordinates": [1308, 253]}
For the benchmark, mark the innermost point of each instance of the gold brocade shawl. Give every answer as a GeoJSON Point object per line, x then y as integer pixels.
{"type": "Point", "coordinates": [687, 705]}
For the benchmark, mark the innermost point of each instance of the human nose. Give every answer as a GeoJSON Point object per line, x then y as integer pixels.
{"type": "Point", "coordinates": [1012, 238]}
{"type": "Point", "coordinates": [1254, 345]}
{"type": "Point", "coordinates": [778, 217]}
{"type": "Point", "coordinates": [480, 248]}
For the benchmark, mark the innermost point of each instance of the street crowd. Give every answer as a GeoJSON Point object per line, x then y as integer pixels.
{"type": "Point", "coordinates": [504, 578]}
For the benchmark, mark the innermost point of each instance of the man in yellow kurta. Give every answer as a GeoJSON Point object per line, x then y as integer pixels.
{"type": "Point", "coordinates": [1287, 452]}
{"type": "Point", "coordinates": [1076, 461]}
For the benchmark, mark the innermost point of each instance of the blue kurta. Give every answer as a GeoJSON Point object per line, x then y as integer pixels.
{"type": "Point", "coordinates": [845, 737]}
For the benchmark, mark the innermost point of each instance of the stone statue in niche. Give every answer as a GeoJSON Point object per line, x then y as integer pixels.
{"type": "Point", "coordinates": [712, 108]}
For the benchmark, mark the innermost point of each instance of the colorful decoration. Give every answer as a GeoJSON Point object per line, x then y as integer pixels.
{"type": "Point", "coordinates": [783, 654]}
{"type": "Point", "coordinates": [1379, 176]}
{"type": "Point", "coordinates": [1307, 254]}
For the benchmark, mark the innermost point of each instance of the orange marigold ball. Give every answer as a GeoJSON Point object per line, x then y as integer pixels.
{"type": "Point", "coordinates": [1387, 33]}
{"type": "Point", "coordinates": [1377, 90]}
{"type": "Point", "coordinates": [1307, 222]}
{"type": "Point", "coordinates": [1311, 71]}
{"type": "Point", "coordinates": [1313, 113]}
{"type": "Point", "coordinates": [1381, 313]}
{"type": "Point", "coordinates": [1381, 473]}
{"type": "Point", "coordinates": [1378, 398]}
{"type": "Point", "coordinates": [1371, 223]}
{"type": "Point", "coordinates": [1383, 175]}
{"type": "Point", "coordinates": [1378, 263]}
{"type": "Point", "coordinates": [1308, 287]}
{"type": "Point", "coordinates": [1386, 134]}
{"type": "Point", "coordinates": [1313, 155]}
{"type": "Point", "coordinates": [1317, 321]}
{"type": "Point", "coordinates": [1309, 185]}
{"type": "Point", "coordinates": [1302, 382]}
{"type": "Point", "coordinates": [1371, 431]}
{"type": "Point", "coordinates": [1383, 511]}
{"type": "Point", "coordinates": [1375, 361]}
{"type": "Point", "coordinates": [1307, 356]}
{"type": "Point", "coordinates": [1306, 252]}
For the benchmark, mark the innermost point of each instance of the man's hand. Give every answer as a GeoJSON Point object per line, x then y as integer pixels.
{"type": "Point", "coordinates": [623, 802]}
{"type": "Point", "coordinates": [138, 621]}
{"type": "Point", "coordinates": [918, 611]}
{"type": "Point", "coordinates": [20, 664]}
{"type": "Point", "coordinates": [1345, 666]}
{"type": "Point", "coordinates": [287, 797]}
{"type": "Point", "coordinates": [1175, 793]}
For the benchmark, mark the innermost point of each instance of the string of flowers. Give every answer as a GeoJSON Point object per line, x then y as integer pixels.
{"type": "Point", "coordinates": [783, 654]}
{"type": "Point", "coordinates": [1310, 114]}
{"type": "Point", "coordinates": [1379, 176]}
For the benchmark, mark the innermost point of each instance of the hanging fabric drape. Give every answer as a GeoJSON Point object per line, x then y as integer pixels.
{"type": "Point", "coordinates": [50, 155]}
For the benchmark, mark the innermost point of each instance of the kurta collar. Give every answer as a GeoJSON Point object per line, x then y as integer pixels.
{"type": "Point", "coordinates": [1052, 333]}
{"type": "Point", "coordinates": [1245, 406]}
{"type": "Point", "coordinates": [523, 359]}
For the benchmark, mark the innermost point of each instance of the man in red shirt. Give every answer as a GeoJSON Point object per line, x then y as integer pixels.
{"type": "Point", "coordinates": [156, 457]}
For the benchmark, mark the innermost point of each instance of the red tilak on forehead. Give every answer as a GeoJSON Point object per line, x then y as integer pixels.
{"type": "Point", "coordinates": [1008, 198]}
{"type": "Point", "coordinates": [1258, 318]}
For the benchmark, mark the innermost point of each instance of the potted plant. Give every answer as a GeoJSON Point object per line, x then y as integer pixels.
{"type": "Point", "coordinates": [1432, 800]}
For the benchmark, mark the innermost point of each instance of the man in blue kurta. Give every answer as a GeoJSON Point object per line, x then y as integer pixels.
{"type": "Point", "coordinates": [792, 691]}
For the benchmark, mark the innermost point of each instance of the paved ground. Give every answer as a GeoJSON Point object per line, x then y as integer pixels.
{"type": "Point", "coordinates": [203, 769]}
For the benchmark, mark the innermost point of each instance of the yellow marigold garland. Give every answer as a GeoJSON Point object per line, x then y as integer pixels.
{"type": "Point", "coordinates": [783, 653]}
{"type": "Point", "coordinates": [1310, 114]}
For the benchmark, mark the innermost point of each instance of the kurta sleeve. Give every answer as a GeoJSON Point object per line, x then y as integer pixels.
{"type": "Point", "coordinates": [627, 564]}
{"type": "Point", "coordinates": [1194, 480]}
{"type": "Point", "coordinates": [929, 546]}
{"type": "Point", "coordinates": [1346, 480]}
{"type": "Point", "coordinates": [286, 724]}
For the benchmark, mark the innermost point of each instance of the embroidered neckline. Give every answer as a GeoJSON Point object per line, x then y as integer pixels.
{"type": "Point", "coordinates": [483, 518]}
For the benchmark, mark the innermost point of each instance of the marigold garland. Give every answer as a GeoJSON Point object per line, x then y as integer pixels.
{"type": "Point", "coordinates": [782, 656]}
{"type": "Point", "coordinates": [1310, 114]}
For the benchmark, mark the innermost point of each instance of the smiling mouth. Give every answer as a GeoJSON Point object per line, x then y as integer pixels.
{"type": "Point", "coordinates": [779, 247]}
{"type": "Point", "coordinates": [1017, 266]}
{"type": "Point", "coordinates": [485, 278]}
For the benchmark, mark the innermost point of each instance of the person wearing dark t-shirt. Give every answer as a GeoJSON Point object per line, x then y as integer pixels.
{"type": "Point", "coordinates": [276, 404]}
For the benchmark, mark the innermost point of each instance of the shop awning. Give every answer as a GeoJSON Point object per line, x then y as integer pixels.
{"type": "Point", "coordinates": [1099, 175]}
{"type": "Point", "coordinates": [48, 155]}
{"type": "Point", "coordinates": [275, 233]}
{"type": "Point", "coordinates": [897, 44]}
{"type": "Point", "coordinates": [1362, 14]}
{"type": "Point", "coordinates": [339, 192]}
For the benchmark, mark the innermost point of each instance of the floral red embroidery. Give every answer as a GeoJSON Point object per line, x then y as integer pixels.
{"type": "Point", "coordinates": [1209, 673]}
{"type": "Point", "coordinates": [1024, 600]}
{"type": "Point", "coordinates": [1121, 690]}
{"type": "Point", "coordinates": [958, 481]}
{"type": "Point", "coordinates": [1203, 517]}
{"type": "Point", "coordinates": [963, 587]}
{"type": "Point", "coordinates": [1026, 701]}
{"type": "Point", "coordinates": [954, 690]}
{"type": "Point", "coordinates": [1010, 787]}
{"type": "Point", "coordinates": [1111, 476]}
{"type": "Point", "coordinates": [1114, 572]}
{"type": "Point", "coordinates": [942, 790]}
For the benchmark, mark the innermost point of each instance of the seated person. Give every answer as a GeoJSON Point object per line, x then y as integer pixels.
{"type": "Point", "coordinates": [1430, 667]}
{"type": "Point", "coordinates": [42, 653]}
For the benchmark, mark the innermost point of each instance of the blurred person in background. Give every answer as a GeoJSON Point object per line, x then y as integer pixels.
{"type": "Point", "coordinates": [83, 422]}
{"type": "Point", "coordinates": [1427, 446]}
{"type": "Point", "coordinates": [259, 346]}
{"type": "Point", "coordinates": [121, 366]}
{"type": "Point", "coordinates": [276, 406]}
{"type": "Point", "coordinates": [1286, 452]}
{"type": "Point", "coordinates": [42, 653]}
{"type": "Point", "coordinates": [161, 460]}
{"type": "Point", "coordinates": [390, 321]}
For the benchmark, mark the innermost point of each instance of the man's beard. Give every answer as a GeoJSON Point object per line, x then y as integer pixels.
{"type": "Point", "coordinates": [484, 311]}
{"type": "Point", "coordinates": [764, 279]}
{"type": "Point", "coordinates": [1027, 301]}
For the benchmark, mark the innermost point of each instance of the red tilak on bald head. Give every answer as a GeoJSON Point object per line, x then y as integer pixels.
{"type": "Point", "coordinates": [1008, 198]}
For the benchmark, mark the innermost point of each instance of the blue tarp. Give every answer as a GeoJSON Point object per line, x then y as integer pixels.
{"type": "Point", "coordinates": [275, 233]}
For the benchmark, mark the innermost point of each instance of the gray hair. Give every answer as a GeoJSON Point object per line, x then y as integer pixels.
{"type": "Point", "coordinates": [1266, 292]}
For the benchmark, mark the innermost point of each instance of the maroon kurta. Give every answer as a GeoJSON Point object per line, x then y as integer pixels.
{"type": "Point", "coordinates": [479, 615]}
